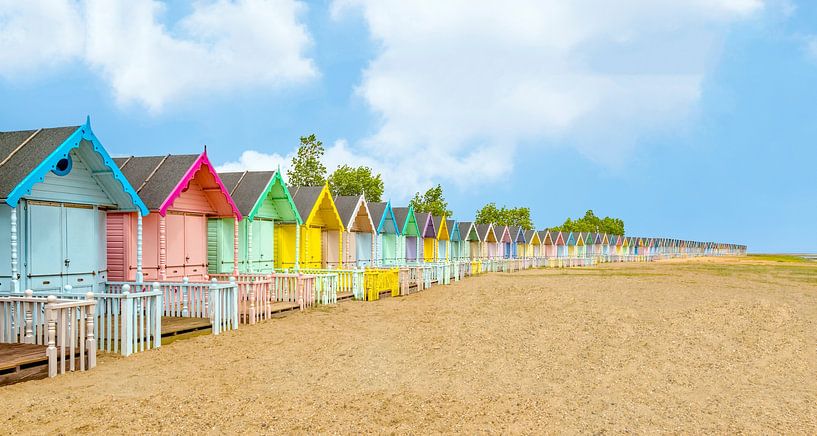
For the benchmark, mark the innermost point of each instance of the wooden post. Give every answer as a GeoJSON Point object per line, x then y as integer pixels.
{"type": "Point", "coordinates": [162, 248]}
{"type": "Point", "coordinates": [184, 292]}
{"type": "Point", "coordinates": [15, 273]}
{"type": "Point", "coordinates": [157, 334]}
{"type": "Point", "coordinates": [249, 246]}
{"type": "Point", "coordinates": [234, 303]}
{"type": "Point", "coordinates": [28, 309]}
{"type": "Point", "coordinates": [127, 321]}
{"type": "Point", "coordinates": [215, 306]}
{"type": "Point", "coordinates": [90, 340]}
{"type": "Point", "coordinates": [139, 276]}
{"type": "Point", "coordinates": [297, 246]}
{"type": "Point", "coordinates": [51, 350]}
{"type": "Point", "coordinates": [235, 246]}
{"type": "Point", "coordinates": [251, 297]}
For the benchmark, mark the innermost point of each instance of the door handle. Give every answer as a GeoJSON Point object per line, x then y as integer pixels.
{"type": "Point", "coordinates": [67, 262]}
{"type": "Point", "coordinates": [187, 258]}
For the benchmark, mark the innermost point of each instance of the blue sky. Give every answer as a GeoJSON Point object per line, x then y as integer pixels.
{"type": "Point", "coordinates": [689, 119]}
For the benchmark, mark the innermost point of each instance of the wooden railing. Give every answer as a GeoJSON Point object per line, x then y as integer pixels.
{"type": "Point", "coordinates": [377, 280]}
{"type": "Point", "coordinates": [64, 326]}
{"type": "Point", "coordinates": [213, 300]}
{"type": "Point", "coordinates": [346, 281]}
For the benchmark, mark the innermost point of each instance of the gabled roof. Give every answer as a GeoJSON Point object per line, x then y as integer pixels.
{"type": "Point", "coordinates": [484, 230]}
{"type": "Point", "coordinates": [404, 217]}
{"type": "Point", "coordinates": [383, 213]}
{"type": "Point", "coordinates": [355, 214]}
{"type": "Point", "coordinates": [544, 235]}
{"type": "Point", "coordinates": [558, 237]}
{"type": "Point", "coordinates": [426, 224]}
{"type": "Point", "coordinates": [453, 230]}
{"type": "Point", "coordinates": [249, 190]}
{"type": "Point", "coordinates": [27, 156]}
{"type": "Point", "coordinates": [532, 237]}
{"type": "Point", "coordinates": [307, 198]}
{"type": "Point", "coordinates": [159, 180]}
{"type": "Point", "coordinates": [517, 235]}
{"type": "Point", "coordinates": [465, 229]}
{"type": "Point", "coordinates": [505, 231]}
{"type": "Point", "coordinates": [570, 239]}
{"type": "Point", "coordinates": [440, 228]}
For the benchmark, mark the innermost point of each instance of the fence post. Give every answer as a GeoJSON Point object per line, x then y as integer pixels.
{"type": "Point", "coordinates": [51, 351]}
{"type": "Point", "coordinates": [233, 302]}
{"type": "Point", "coordinates": [127, 321]}
{"type": "Point", "coordinates": [215, 315]}
{"type": "Point", "coordinates": [158, 313]}
{"type": "Point", "coordinates": [28, 310]}
{"type": "Point", "coordinates": [90, 340]}
{"type": "Point", "coordinates": [251, 297]}
{"type": "Point", "coordinates": [184, 292]}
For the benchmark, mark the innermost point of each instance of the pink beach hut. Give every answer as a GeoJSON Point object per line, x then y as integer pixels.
{"type": "Point", "coordinates": [181, 191]}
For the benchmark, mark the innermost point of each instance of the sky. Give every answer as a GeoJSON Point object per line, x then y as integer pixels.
{"type": "Point", "coordinates": [691, 120]}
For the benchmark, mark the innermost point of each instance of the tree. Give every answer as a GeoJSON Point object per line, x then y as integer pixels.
{"type": "Point", "coordinates": [307, 168]}
{"type": "Point", "coordinates": [431, 202]}
{"type": "Point", "coordinates": [517, 216]}
{"type": "Point", "coordinates": [347, 180]}
{"type": "Point", "coordinates": [591, 223]}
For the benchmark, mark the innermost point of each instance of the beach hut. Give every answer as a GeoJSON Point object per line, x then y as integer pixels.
{"type": "Point", "coordinates": [605, 244]}
{"type": "Point", "coordinates": [505, 242]}
{"type": "Point", "coordinates": [429, 235]}
{"type": "Point", "coordinates": [519, 243]}
{"type": "Point", "coordinates": [548, 249]}
{"type": "Point", "coordinates": [264, 201]}
{"type": "Point", "coordinates": [570, 244]}
{"type": "Point", "coordinates": [182, 192]}
{"type": "Point", "coordinates": [57, 187]}
{"type": "Point", "coordinates": [487, 235]}
{"type": "Point", "coordinates": [409, 238]}
{"type": "Point", "coordinates": [359, 236]}
{"type": "Point", "coordinates": [580, 250]}
{"type": "Point", "coordinates": [533, 247]}
{"type": "Point", "coordinates": [319, 240]}
{"type": "Point", "coordinates": [388, 234]}
{"type": "Point", "coordinates": [559, 240]}
{"type": "Point", "coordinates": [455, 240]}
{"type": "Point", "coordinates": [470, 244]}
{"type": "Point", "coordinates": [443, 236]}
{"type": "Point", "coordinates": [598, 240]}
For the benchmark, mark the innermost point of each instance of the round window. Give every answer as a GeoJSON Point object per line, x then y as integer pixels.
{"type": "Point", "coordinates": [63, 166]}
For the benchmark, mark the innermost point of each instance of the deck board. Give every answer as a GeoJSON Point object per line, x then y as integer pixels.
{"type": "Point", "coordinates": [14, 355]}
{"type": "Point", "coordinates": [172, 325]}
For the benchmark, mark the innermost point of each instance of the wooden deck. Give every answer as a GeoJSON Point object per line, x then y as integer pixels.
{"type": "Point", "coordinates": [176, 325]}
{"type": "Point", "coordinates": [345, 296]}
{"type": "Point", "coordinates": [21, 362]}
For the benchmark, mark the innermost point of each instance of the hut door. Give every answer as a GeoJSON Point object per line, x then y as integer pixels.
{"type": "Point", "coordinates": [45, 247]}
{"type": "Point", "coordinates": [81, 246]}
{"type": "Point", "coordinates": [195, 246]}
{"type": "Point", "coordinates": [5, 241]}
{"type": "Point", "coordinates": [262, 235]}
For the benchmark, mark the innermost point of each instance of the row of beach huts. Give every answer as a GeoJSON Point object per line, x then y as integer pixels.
{"type": "Point", "coordinates": [113, 254]}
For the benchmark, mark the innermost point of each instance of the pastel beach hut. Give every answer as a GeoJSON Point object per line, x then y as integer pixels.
{"type": "Point", "coordinates": [488, 248]}
{"type": "Point", "coordinates": [319, 240]}
{"type": "Point", "coordinates": [264, 201]}
{"type": "Point", "coordinates": [429, 235]}
{"type": "Point", "coordinates": [505, 242]}
{"type": "Point", "coordinates": [58, 187]}
{"type": "Point", "coordinates": [518, 242]}
{"type": "Point", "coordinates": [548, 247]}
{"type": "Point", "coordinates": [409, 238]}
{"type": "Point", "coordinates": [455, 240]}
{"type": "Point", "coordinates": [533, 247]}
{"type": "Point", "coordinates": [443, 237]}
{"type": "Point", "coordinates": [182, 192]}
{"type": "Point", "coordinates": [388, 234]}
{"type": "Point", "coordinates": [605, 245]}
{"type": "Point", "coordinates": [470, 245]}
{"type": "Point", "coordinates": [559, 240]}
{"type": "Point", "coordinates": [359, 234]}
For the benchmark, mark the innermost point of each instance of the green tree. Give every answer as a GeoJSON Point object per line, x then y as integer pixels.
{"type": "Point", "coordinates": [307, 168]}
{"type": "Point", "coordinates": [347, 180]}
{"type": "Point", "coordinates": [431, 202]}
{"type": "Point", "coordinates": [591, 223]}
{"type": "Point", "coordinates": [517, 216]}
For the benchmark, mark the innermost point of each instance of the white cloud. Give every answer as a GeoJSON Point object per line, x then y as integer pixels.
{"type": "Point", "coordinates": [221, 46]}
{"type": "Point", "coordinates": [811, 47]}
{"type": "Point", "coordinates": [35, 35]}
{"type": "Point", "coordinates": [460, 83]}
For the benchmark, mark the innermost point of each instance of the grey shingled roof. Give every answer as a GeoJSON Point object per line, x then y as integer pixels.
{"type": "Point", "coordinates": [155, 177]}
{"type": "Point", "coordinates": [464, 228]}
{"type": "Point", "coordinates": [23, 159]}
{"type": "Point", "coordinates": [515, 233]}
{"type": "Point", "coordinates": [377, 210]}
{"type": "Point", "coordinates": [422, 219]}
{"type": "Point", "coordinates": [529, 236]}
{"type": "Point", "coordinates": [542, 235]}
{"type": "Point", "coordinates": [482, 230]}
{"type": "Point", "coordinates": [246, 188]}
{"type": "Point", "coordinates": [305, 198]}
{"type": "Point", "coordinates": [346, 205]}
{"type": "Point", "coordinates": [436, 220]}
{"type": "Point", "coordinates": [401, 215]}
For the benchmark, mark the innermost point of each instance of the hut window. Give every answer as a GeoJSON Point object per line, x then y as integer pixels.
{"type": "Point", "coordinates": [63, 166]}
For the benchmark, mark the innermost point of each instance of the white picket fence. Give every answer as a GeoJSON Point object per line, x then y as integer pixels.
{"type": "Point", "coordinates": [64, 326]}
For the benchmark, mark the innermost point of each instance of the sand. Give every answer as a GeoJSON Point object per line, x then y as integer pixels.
{"type": "Point", "coordinates": [706, 345]}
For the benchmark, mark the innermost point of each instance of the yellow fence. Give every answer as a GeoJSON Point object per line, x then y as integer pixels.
{"type": "Point", "coordinates": [376, 281]}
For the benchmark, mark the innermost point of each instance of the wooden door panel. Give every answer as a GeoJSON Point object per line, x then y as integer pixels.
{"type": "Point", "coordinates": [195, 240]}
{"type": "Point", "coordinates": [81, 240]}
{"type": "Point", "coordinates": [45, 247]}
{"type": "Point", "coordinates": [175, 233]}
